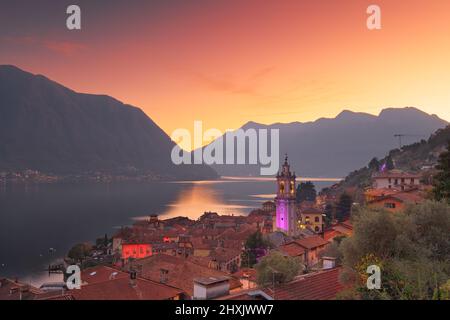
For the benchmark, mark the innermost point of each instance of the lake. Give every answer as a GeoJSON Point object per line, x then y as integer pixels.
{"type": "Point", "coordinates": [35, 218]}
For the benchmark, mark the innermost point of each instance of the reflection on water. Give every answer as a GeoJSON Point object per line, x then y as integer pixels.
{"type": "Point", "coordinates": [34, 218]}
{"type": "Point", "coordinates": [200, 198]}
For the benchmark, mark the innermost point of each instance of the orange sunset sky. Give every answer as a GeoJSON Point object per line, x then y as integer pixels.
{"type": "Point", "coordinates": [227, 62]}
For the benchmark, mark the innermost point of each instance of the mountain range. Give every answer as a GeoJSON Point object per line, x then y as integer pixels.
{"type": "Point", "coordinates": [334, 147]}
{"type": "Point", "coordinates": [47, 127]}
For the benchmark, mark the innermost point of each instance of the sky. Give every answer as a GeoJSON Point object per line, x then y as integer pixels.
{"type": "Point", "coordinates": [227, 62]}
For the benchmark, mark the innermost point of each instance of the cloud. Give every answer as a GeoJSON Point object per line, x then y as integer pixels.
{"type": "Point", "coordinates": [225, 84]}
{"type": "Point", "coordinates": [65, 48]}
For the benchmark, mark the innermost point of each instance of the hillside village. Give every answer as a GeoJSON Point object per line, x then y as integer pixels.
{"type": "Point", "coordinates": [221, 256]}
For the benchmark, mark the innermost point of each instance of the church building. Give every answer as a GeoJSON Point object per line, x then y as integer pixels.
{"type": "Point", "coordinates": [285, 201]}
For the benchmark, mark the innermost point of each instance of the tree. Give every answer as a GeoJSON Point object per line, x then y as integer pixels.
{"type": "Point", "coordinates": [255, 247]}
{"type": "Point", "coordinates": [306, 191]}
{"type": "Point", "coordinates": [389, 163]}
{"type": "Point", "coordinates": [276, 268]}
{"type": "Point", "coordinates": [374, 164]}
{"type": "Point", "coordinates": [79, 252]}
{"type": "Point", "coordinates": [442, 179]}
{"type": "Point", "coordinates": [411, 248]}
{"type": "Point", "coordinates": [329, 215]}
{"type": "Point", "coordinates": [344, 207]}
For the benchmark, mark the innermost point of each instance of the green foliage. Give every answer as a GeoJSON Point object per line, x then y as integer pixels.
{"type": "Point", "coordinates": [411, 248]}
{"type": "Point", "coordinates": [329, 215]}
{"type": "Point", "coordinates": [332, 250]}
{"type": "Point", "coordinates": [374, 164]}
{"type": "Point", "coordinates": [306, 191]}
{"type": "Point", "coordinates": [79, 251]}
{"type": "Point", "coordinates": [389, 163]}
{"type": "Point", "coordinates": [442, 179]}
{"type": "Point", "coordinates": [254, 245]}
{"type": "Point", "coordinates": [277, 268]}
{"type": "Point", "coordinates": [344, 207]}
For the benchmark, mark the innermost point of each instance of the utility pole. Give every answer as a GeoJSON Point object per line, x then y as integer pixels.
{"type": "Point", "coordinates": [273, 280]}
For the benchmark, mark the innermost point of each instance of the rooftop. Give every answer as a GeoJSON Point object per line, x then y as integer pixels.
{"type": "Point", "coordinates": [122, 289]}
{"type": "Point", "coordinates": [211, 280]}
{"type": "Point", "coordinates": [312, 242]}
{"type": "Point", "coordinates": [322, 285]}
{"type": "Point", "coordinates": [181, 271]}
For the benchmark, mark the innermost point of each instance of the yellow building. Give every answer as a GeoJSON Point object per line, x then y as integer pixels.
{"type": "Point", "coordinates": [313, 218]}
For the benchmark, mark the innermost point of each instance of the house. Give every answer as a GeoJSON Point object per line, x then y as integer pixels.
{"type": "Point", "coordinates": [211, 287]}
{"type": "Point", "coordinates": [247, 276]}
{"type": "Point", "coordinates": [341, 229]}
{"type": "Point", "coordinates": [396, 179]}
{"type": "Point", "coordinates": [313, 245]}
{"type": "Point", "coordinates": [226, 260]}
{"type": "Point", "coordinates": [293, 249]}
{"type": "Point", "coordinates": [312, 217]}
{"type": "Point", "coordinates": [136, 250]}
{"type": "Point", "coordinates": [202, 247]}
{"type": "Point", "coordinates": [396, 202]}
{"type": "Point", "coordinates": [306, 249]}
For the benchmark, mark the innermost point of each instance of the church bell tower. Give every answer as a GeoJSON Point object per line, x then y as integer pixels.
{"type": "Point", "coordinates": [285, 201]}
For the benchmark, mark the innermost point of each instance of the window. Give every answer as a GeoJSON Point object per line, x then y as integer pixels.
{"type": "Point", "coordinates": [317, 219]}
{"type": "Point", "coordinates": [389, 205]}
{"type": "Point", "coordinates": [317, 229]}
{"type": "Point", "coordinates": [412, 180]}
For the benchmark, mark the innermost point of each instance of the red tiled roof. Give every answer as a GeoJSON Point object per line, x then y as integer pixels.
{"type": "Point", "coordinates": [292, 249]}
{"type": "Point", "coordinates": [330, 234]}
{"type": "Point", "coordinates": [121, 289]}
{"type": "Point", "coordinates": [181, 271]}
{"type": "Point", "coordinates": [224, 255]}
{"type": "Point", "coordinates": [311, 210]}
{"type": "Point", "coordinates": [312, 242]}
{"type": "Point", "coordinates": [101, 274]}
{"type": "Point", "coordinates": [323, 285]}
{"type": "Point", "coordinates": [14, 290]}
{"type": "Point", "coordinates": [405, 197]}
{"type": "Point", "coordinates": [247, 273]}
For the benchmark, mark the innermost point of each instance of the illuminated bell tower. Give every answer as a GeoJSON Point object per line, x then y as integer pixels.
{"type": "Point", "coordinates": [285, 201]}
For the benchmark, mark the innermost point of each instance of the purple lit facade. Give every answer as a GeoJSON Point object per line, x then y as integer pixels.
{"type": "Point", "coordinates": [285, 201]}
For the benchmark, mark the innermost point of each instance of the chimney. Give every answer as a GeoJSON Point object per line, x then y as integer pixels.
{"type": "Point", "coordinates": [133, 277]}
{"type": "Point", "coordinates": [211, 287]}
{"type": "Point", "coordinates": [328, 263]}
{"type": "Point", "coordinates": [163, 275]}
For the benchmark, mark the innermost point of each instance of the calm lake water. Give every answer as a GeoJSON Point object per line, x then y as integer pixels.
{"type": "Point", "coordinates": [35, 218]}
